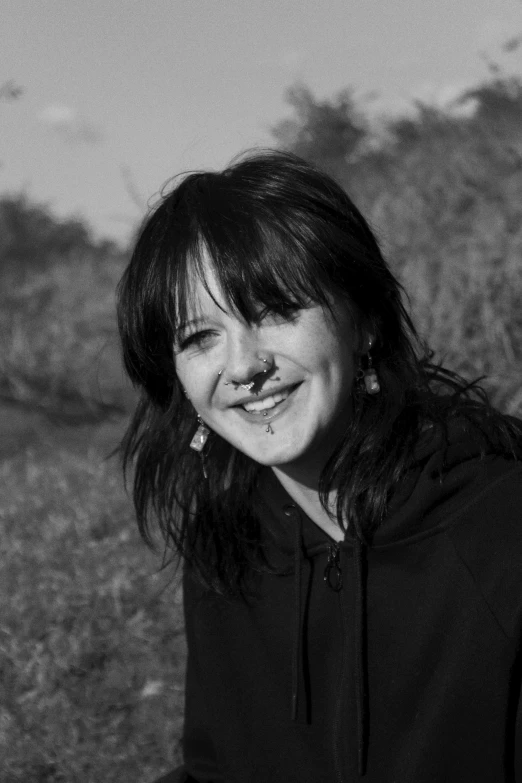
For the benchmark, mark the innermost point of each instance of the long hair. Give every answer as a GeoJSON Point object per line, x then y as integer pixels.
{"type": "Point", "coordinates": [279, 234]}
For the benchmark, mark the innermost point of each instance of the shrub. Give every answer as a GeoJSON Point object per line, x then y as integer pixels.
{"type": "Point", "coordinates": [58, 331]}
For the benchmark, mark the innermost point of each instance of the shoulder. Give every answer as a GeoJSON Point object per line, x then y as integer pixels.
{"type": "Point", "coordinates": [487, 536]}
{"type": "Point", "coordinates": [485, 453]}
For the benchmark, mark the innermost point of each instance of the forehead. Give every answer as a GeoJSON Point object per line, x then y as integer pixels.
{"type": "Point", "coordinates": [203, 291]}
{"type": "Point", "coordinates": [242, 287]}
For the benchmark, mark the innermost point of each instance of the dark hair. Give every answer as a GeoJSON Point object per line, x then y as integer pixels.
{"type": "Point", "coordinates": [279, 234]}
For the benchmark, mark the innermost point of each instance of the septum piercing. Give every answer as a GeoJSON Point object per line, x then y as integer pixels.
{"type": "Point", "coordinates": [245, 386]}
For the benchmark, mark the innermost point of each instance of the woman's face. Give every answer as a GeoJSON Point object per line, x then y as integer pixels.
{"type": "Point", "coordinates": [294, 413]}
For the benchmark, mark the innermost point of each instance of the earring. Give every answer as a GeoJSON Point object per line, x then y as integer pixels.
{"type": "Point", "coordinates": [198, 442]}
{"type": "Point", "coordinates": [371, 379]}
{"type": "Point", "coordinates": [200, 436]}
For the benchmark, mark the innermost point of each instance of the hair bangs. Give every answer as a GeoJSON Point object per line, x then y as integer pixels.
{"type": "Point", "coordinates": [257, 266]}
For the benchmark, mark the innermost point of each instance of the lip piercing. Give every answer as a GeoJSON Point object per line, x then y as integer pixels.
{"type": "Point", "coordinates": [269, 428]}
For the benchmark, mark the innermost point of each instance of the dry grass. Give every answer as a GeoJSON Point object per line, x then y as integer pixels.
{"type": "Point", "coordinates": [91, 644]}
{"type": "Point", "coordinates": [449, 215]}
{"type": "Point", "coordinates": [58, 332]}
{"type": "Point", "coordinates": [91, 641]}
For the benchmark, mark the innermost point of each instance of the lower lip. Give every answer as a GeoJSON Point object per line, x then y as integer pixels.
{"type": "Point", "coordinates": [271, 413]}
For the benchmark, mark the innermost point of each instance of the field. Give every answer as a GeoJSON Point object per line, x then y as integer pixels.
{"type": "Point", "coordinates": [91, 638]}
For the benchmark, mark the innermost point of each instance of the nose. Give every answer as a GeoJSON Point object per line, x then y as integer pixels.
{"type": "Point", "coordinates": [243, 356]}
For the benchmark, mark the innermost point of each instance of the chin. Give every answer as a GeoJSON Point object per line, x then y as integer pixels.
{"type": "Point", "coordinates": [273, 457]}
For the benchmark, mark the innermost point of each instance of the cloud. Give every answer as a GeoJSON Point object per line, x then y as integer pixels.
{"type": "Point", "coordinates": [448, 97]}
{"type": "Point", "coordinates": [445, 97]}
{"type": "Point", "coordinates": [493, 31]}
{"type": "Point", "coordinates": [70, 125]}
{"type": "Point", "coordinates": [499, 40]}
{"type": "Point", "coordinates": [292, 58]}
{"type": "Point", "coordinates": [289, 59]}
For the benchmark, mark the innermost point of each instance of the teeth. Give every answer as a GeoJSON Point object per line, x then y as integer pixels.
{"type": "Point", "coordinates": [268, 402]}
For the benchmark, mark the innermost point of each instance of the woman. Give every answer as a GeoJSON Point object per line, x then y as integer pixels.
{"type": "Point", "coordinates": [348, 514]}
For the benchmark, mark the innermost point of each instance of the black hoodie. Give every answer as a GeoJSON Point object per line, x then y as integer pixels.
{"type": "Point", "coordinates": [399, 662]}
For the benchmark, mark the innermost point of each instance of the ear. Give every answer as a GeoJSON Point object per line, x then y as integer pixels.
{"type": "Point", "coordinates": [366, 342]}
{"type": "Point", "coordinates": [365, 331]}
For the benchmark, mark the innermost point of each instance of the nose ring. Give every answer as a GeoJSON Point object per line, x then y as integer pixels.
{"type": "Point", "coordinates": [246, 386]}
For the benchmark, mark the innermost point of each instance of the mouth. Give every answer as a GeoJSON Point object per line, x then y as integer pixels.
{"type": "Point", "coordinates": [268, 407]}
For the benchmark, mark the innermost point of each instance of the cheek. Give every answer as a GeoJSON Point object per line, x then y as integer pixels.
{"type": "Point", "coordinates": [199, 385]}
{"type": "Point", "coordinates": [339, 380]}
{"type": "Point", "coordinates": [338, 365]}
{"type": "Point", "coordinates": [190, 382]}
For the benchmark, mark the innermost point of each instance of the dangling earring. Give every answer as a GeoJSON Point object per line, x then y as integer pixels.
{"type": "Point", "coordinates": [198, 442]}
{"type": "Point", "coordinates": [371, 379]}
{"type": "Point", "coordinates": [200, 436]}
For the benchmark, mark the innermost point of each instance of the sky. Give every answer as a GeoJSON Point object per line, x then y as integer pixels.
{"type": "Point", "coordinates": [118, 96]}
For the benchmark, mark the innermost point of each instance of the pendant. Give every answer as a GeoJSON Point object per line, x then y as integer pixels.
{"type": "Point", "coordinates": [200, 438]}
{"type": "Point", "coordinates": [371, 382]}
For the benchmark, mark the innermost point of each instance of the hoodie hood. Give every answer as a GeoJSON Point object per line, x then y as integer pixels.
{"type": "Point", "coordinates": [445, 477]}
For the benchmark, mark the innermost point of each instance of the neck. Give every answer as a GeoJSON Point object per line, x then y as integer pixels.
{"type": "Point", "coordinates": [303, 488]}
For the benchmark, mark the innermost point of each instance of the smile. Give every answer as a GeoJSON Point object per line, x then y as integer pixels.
{"type": "Point", "coordinates": [258, 406]}
{"type": "Point", "coordinates": [263, 411]}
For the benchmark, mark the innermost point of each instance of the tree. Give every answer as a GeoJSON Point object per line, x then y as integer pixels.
{"type": "Point", "coordinates": [329, 133]}
{"type": "Point", "coordinates": [10, 91]}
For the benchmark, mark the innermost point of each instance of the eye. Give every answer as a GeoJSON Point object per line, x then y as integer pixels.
{"type": "Point", "coordinates": [279, 314]}
{"type": "Point", "coordinates": [200, 340]}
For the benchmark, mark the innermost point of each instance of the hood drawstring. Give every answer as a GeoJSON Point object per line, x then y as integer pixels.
{"type": "Point", "coordinates": [298, 626]}
{"type": "Point", "coordinates": [359, 628]}
{"type": "Point", "coordinates": [361, 669]}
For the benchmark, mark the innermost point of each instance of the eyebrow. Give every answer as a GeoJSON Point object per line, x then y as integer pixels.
{"type": "Point", "coordinates": [184, 325]}
{"type": "Point", "coordinates": [193, 322]}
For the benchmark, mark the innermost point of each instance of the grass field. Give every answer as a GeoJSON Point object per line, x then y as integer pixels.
{"type": "Point", "coordinates": [91, 640]}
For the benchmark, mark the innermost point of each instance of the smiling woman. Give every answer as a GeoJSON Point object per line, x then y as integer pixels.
{"type": "Point", "coordinates": [333, 494]}
{"type": "Point", "coordinates": [288, 375]}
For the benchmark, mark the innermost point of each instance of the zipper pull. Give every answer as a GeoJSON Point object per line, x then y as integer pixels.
{"type": "Point", "coordinates": [333, 575]}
